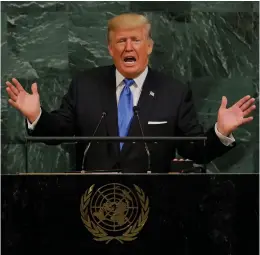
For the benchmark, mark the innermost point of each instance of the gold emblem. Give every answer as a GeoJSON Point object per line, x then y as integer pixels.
{"type": "Point", "coordinates": [114, 211]}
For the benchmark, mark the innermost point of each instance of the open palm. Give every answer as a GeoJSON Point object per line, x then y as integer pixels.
{"type": "Point", "coordinates": [229, 119]}
{"type": "Point", "coordinates": [27, 104]}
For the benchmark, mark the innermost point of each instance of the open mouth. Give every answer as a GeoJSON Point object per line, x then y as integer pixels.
{"type": "Point", "coordinates": [129, 60]}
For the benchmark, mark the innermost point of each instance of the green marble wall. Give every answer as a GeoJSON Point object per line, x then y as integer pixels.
{"type": "Point", "coordinates": [211, 45]}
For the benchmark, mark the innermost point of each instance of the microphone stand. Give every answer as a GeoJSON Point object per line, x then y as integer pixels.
{"type": "Point", "coordinates": [87, 148]}
{"type": "Point", "coordinates": [135, 109]}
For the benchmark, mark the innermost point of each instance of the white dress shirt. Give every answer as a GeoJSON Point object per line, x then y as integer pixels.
{"type": "Point", "coordinates": [136, 90]}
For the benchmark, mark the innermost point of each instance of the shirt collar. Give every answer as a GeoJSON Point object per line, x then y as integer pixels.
{"type": "Point", "coordinates": [139, 80]}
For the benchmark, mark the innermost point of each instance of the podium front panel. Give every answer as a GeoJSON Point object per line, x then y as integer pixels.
{"type": "Point", "coordinates": [130, 214]}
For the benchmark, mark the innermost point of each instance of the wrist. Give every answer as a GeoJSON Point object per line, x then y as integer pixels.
{"type": "Point", "coordinates": [222, 131]}
{"type": "Point", "coordinates": [33, 117]}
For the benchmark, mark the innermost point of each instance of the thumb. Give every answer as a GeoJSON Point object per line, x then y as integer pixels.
{"type": "Point", "coordinates": [223, 103]}
{"type": "Point", "coordinates": [34, 88]}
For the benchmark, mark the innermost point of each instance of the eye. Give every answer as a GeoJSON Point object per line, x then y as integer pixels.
{"type": "Point", "coordinates": [121, 40]}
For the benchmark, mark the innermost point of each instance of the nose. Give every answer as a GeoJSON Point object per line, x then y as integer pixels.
{"type": "Point", "coordinates": [128, 46]}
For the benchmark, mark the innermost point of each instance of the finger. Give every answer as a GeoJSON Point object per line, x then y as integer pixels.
{"type": "Point", "coordinates": [242, 101]}
{"type": "Point", "coordinates": [34, 88]}
{"type": "Point", "coordinates": [247, 120]}
{"type": "Point", "coordinates": [175, 159]}
{"type": "Point", "coordinates": [14, 104]}
{"type": "Point", "coordinates": [18, 85]}
{"type": "Point", "coordinates": [11, 94]}
{"type": "Point", "coordinates": [12, 87]}
{"type": "Point", "coordinates": [223, 103]}
{"type": "Point", "coordinates": [249, 110]}
{"type": "Point", "coordinates": [247, 104]}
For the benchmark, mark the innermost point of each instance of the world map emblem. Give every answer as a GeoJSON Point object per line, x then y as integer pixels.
{"type": "Point", "coordinates": [114, 212]}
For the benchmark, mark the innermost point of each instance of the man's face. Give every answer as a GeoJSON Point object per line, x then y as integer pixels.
{"type": "Point", "coordinates": [130, 49]}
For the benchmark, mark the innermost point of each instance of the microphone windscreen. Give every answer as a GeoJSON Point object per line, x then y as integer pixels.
{"type": "Point", "coordinates": [135, 109]}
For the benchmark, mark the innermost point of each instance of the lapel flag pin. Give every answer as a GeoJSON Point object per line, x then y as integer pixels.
{"type": "Point", "coordinates": [151, 93]}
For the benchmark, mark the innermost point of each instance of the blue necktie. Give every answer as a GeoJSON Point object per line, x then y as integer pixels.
{"type": "Point", "coordinates": [125, 109]}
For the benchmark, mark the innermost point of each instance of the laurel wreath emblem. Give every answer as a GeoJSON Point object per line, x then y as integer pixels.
{"type": "Point", "coordinates": [100, 235]}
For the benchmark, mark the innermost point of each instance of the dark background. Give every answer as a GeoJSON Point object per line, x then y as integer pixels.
{"type": "Point", "coordinates": [211, 45]}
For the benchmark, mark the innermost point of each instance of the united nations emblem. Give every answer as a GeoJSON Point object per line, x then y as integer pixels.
{"type": "Point", "coordinates": [114, 211]}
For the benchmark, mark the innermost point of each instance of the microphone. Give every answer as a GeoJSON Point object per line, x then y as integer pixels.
{"type": "Point", "coordinates": [87, 148]}
{"type": "Point", "coordinates": [136, 110]}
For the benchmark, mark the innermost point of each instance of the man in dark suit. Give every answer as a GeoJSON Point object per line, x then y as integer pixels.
{"type": "Point", "coordinates": [165, 108]}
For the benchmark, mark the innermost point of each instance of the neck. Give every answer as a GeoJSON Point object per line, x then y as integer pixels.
{"type": "Point", "coordinates": [131, 75]}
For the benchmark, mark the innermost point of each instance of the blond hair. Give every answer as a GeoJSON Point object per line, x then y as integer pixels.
{"type": "Point", "coordinates": [128, 21]}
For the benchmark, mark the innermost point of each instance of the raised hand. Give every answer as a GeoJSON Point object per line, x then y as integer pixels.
{"type": "Point", "coordinates": [27, 104]}
{"type": "Point", "coordinates": [229, 119]}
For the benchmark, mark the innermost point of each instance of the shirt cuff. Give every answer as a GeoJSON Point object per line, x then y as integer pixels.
{"type": "Point", "coordinates": [31, 126]}
{"type": "Point", "coordinates": [226, 140]}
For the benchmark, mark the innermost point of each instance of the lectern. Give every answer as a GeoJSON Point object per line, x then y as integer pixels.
{"type": "Point", "coordinates": [118, 213]}
{"type": "Point", "coordinates": [75, 213]}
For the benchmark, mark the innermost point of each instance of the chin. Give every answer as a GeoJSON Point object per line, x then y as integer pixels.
{"type": "Point", "coordinates": [131, 72]}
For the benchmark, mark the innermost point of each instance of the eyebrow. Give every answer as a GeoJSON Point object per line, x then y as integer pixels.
{"type": "Point", "coordinates": [124, 37]}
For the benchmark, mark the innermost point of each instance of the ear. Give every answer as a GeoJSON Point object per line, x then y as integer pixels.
{"type": "Point", "coordinates": [150, 47]}
{"type": "Point", "coordinates": [110, 50]}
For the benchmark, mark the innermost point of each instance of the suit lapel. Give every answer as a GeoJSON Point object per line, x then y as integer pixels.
{"type": "Point", "coordinates": [145, 105]}
{"type": "Point", "coordinates": [147, 97]}
{"type": "Point", "coordinates": [109, 103]}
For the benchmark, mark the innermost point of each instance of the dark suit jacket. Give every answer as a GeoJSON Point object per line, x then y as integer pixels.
{"type": "Point", "coordinates": [94, 91]}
